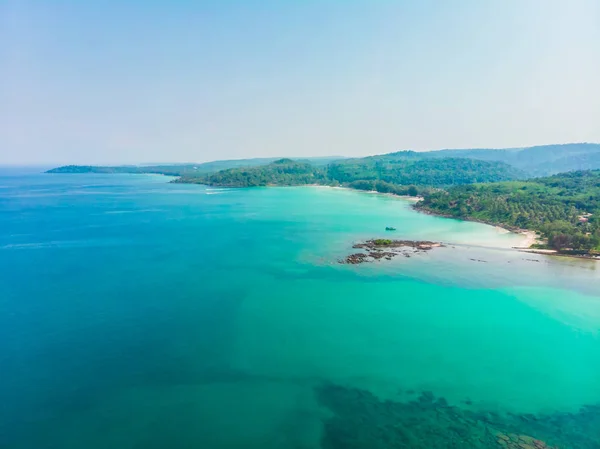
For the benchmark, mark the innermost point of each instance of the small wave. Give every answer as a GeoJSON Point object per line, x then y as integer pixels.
{"type": "Point", "coordinates": [95, 192]}
{"type": "Point", "coordinates": [115, 212]}
{"type": "Point", "coordinates": [214, 193]}
{"type": "Point", "coordinates": [180, 192]}
{"type": "Point", "coordinates": [61, 244]}
{"type": "Point", "coordinates": [33, 195]}
{"type": "Point", "coordinates": [35, 245]}
{"type": "Point", "coordinates": [51, 193]}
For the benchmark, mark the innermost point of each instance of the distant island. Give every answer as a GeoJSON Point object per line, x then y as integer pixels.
{"type": "Point", "coordinates": [504, 187]}
{"type": "Point", "coordinates": [187, 169]}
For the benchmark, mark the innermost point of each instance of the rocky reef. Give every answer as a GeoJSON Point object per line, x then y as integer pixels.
{"type": "Point", "coordinates": [361, 420]}
{"type": "Point", "coordinates": [377, 249]}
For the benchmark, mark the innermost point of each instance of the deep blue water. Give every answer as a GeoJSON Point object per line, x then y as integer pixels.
{"type": "Point", "coordinates": [141, 314]}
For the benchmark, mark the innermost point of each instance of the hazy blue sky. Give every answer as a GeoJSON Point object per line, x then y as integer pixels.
{"type": "Point", "coordinates": [143, 81]}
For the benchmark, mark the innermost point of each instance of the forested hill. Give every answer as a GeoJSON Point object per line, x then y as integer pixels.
{"type": "Point", "coordinates": [565, 208]}
{"type": "Point", "coordinates": [282, 172]}
{"type": "Point", "coordinates": [540, 160]}
{"type": "Point", "coordinates": [525, 162]}
{"type": "Point", "coordinates": [422, 172]}
{"type": "Point", "coordinates": [170, 170]}
{"type": "Point", "coordinates": [385, 176]}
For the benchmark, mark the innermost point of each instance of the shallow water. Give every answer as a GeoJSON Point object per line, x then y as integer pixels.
{"type": "Point", "coordinates": [141, 314]}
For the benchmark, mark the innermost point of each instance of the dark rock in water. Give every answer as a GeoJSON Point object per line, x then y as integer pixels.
{"type": "Point", "coordinates": [381, 254]}
{"type": "Point", "coordinates": [513, 441]}
{"type": "Point", "coordinates": [441, 402]}
{"type": "Point", "coordinates": [377, 249]}
{"type": "Point", "coordinates": [426, 397]}
{"type": "Point", "coordinates": [356, 258]}
{"type": "Point", "coordinates": [424, 245]}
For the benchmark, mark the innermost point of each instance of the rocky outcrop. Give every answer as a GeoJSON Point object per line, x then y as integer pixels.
{"type": "Point", "coordinates": [378, 249]}
{"type": "Point", "coordinates": [514, 441]}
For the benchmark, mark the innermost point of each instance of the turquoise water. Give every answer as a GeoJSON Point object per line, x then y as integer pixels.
{"type": "Point", "coordinates": [141, 314]}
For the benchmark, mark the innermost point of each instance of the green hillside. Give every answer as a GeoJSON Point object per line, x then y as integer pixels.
{"type": "Point", "coordinates": [540, 160]}
{"type": "Point", "coordinates": [384, 175]}
{"type": "Point", "coordinates": [533, 161]}
{"type": "Point", "coordinates": [280, 172]}
{"type": "Point", "coordinates": [422, 172]}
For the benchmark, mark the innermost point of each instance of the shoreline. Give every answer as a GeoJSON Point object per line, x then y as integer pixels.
{"type": "Point", "coordinates": [554, 253]}
{"type": "Point", "coordinates": [530, 237]}
{"type": "Point", "coordinates": [414, 199]}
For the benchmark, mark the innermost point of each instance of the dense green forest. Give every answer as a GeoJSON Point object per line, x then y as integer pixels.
{"type": "Point", "coordinates": [282, 172]}
{"type": "Point", "coordinates": [394, 173]}
{"type": "Point", "coordinates": [403, 177]}
{"type": "Point", "coordinates": [564, 208]}
{"type": "Point", "coordinates": [421, 172]}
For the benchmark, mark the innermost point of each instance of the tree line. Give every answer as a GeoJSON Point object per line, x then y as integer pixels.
{"type": "Point", "coordinates": [564, 208]}
{"type": "Point", "coordinates": [398, 176]}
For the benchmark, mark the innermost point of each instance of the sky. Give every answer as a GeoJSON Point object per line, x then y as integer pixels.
{"type": "Point", "coordinates": [101, 82]}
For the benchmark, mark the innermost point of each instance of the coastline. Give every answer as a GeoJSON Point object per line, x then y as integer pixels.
{"type": "Point", "coordinates": [553, 252]}
{"type": "Point", "coordinates": [530, 237]}
{"type": "Point", "coordinates": [414, 199]}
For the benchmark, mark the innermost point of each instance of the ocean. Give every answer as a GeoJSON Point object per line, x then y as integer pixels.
{"type": "Point", "coordinates": [139, 314]}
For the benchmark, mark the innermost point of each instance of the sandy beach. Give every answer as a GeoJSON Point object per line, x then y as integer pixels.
{"type": "Point", "coordinates": [529, 238]}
